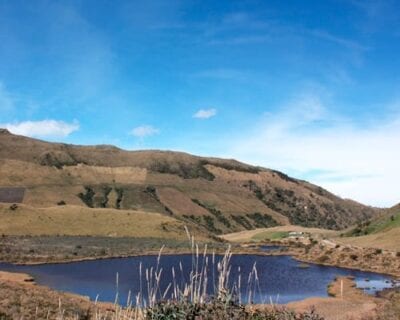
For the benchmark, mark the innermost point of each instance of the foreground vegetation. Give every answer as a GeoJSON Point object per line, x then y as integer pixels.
{"type": "Point", "coordinates": [33, 302]}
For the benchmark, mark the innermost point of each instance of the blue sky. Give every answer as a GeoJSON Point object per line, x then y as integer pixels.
{"type": "Point", "coordinates": [310, 88]}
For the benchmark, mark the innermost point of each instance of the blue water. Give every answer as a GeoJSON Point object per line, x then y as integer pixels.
{"type": "Point", "coordinates": [280, 278]}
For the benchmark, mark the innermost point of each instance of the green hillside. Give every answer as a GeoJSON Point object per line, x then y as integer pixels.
{"type": "Point", "coordinates": [387, 221]}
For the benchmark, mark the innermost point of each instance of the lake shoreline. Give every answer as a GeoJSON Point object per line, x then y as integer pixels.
{"type": "Point", "coordinates": [352, 295]}
{"type": "Point", "coordinates": [292, 253]}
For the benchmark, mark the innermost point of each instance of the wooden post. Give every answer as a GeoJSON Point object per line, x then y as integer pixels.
{"type": "Point", "coordinates": [341, 288]}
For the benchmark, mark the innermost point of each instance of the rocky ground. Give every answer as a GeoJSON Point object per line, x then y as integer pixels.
{"type": "Point", "coordinates": [329, 253]}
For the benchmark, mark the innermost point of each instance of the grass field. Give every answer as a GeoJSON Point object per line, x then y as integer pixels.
{"type": "Point", "coordinates": [81, 221]}
{"type": "Point", "coordinates": [387, 240]}
{"type": "Point", "coordinates": [270, 235]}
{"type": "Point", "coordinates": [274, 233]}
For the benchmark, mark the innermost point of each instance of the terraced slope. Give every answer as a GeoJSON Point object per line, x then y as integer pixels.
{"type": "Point", "coordinates": [219, 195]}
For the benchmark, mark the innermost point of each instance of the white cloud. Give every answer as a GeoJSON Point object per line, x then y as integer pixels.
{"type": "Point", "coordinates": [304, 139]}
{"type": "Point", "coordinates": [205, 113]}
{"type": "Point", "coordinates": [44, 128]}
{"type": "Point", "coordinates": [144, 131]}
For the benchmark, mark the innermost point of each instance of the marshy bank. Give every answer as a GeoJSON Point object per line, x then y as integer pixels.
{"type": "Point", "coordinates": [59, 249]}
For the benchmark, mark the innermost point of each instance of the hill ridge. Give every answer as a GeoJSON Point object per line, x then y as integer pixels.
{"type": "Point", "coordinates": [204, 191]}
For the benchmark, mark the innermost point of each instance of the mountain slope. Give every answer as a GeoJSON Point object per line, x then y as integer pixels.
{"type": "Point", "coordinates": [219, 195]}
{"type": "Point", "coordinates": [381, 232]}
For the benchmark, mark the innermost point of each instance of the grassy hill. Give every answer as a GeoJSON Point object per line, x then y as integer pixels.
{"type": "Point", "coordinates": [217, 195]}
{"type": "Point", "coordinates": [380, 232]}
{"type": "Point", "coordinates": [389, 219]}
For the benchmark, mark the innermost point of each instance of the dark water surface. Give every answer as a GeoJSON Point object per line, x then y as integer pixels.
{"type": "Point", "coordinates": [280, 277]}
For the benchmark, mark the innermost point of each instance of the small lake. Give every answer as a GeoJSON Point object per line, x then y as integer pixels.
{"type": "Point", "coordinates": [280, 277]}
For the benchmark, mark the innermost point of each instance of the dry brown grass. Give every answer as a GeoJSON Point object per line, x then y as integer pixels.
{"type": "Point", "coordinates": [387, 240]}
{"type": "Point", "coordinates": [77, 220]}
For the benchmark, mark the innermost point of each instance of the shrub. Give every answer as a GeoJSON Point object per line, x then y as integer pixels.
{"type": "Point", "coordinates": [323, 258]}
{"type": "Point", "coordinates": [217, 213]}
{"type": "Point", "coordinates": [61, 203]}
{"type": "Point", "coordinates": [262, 220]}
{"type": "Point", "coordinates": [210, 224]}
{"type": "Point", "coordinates": [87, 197]}
{"type": "Point", "coordinates": [120, 194]}
{"type": "Point", "coordinates": [354, 257]}
{"type": "Point", "coordinates": [184, 170]}
{"type": "Point", "coordinates": [243, 221]}
{"type": "Point", "coordinates": [221, 309]}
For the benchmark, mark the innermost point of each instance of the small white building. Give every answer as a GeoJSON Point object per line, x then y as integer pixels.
{"type": "Point", "coordinates": [294, 234]}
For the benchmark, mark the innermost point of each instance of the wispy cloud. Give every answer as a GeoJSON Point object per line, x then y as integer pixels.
{"type": "Point", "coordinates": [144, 131]}
{"type": "Point", "coordinates": [205, 113]}
{"type": "Point", "coordinates": [44, 128]}
{"type": "Point", "coordinates": [307, 140]}
{"type": "Point", "coordinates": [351, 44]}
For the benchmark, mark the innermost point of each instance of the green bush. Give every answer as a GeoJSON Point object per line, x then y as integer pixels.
{"type": "Point", "coordinates": [243, 221]}
{"type": "Point", "coordinates": [87, 197]}
{"type": "Point", "coordinates": [262, 220]}
{"type": "Point", "coordinates": [210, 224]}
{"type": "Point", "coordinates": [217, 213]}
